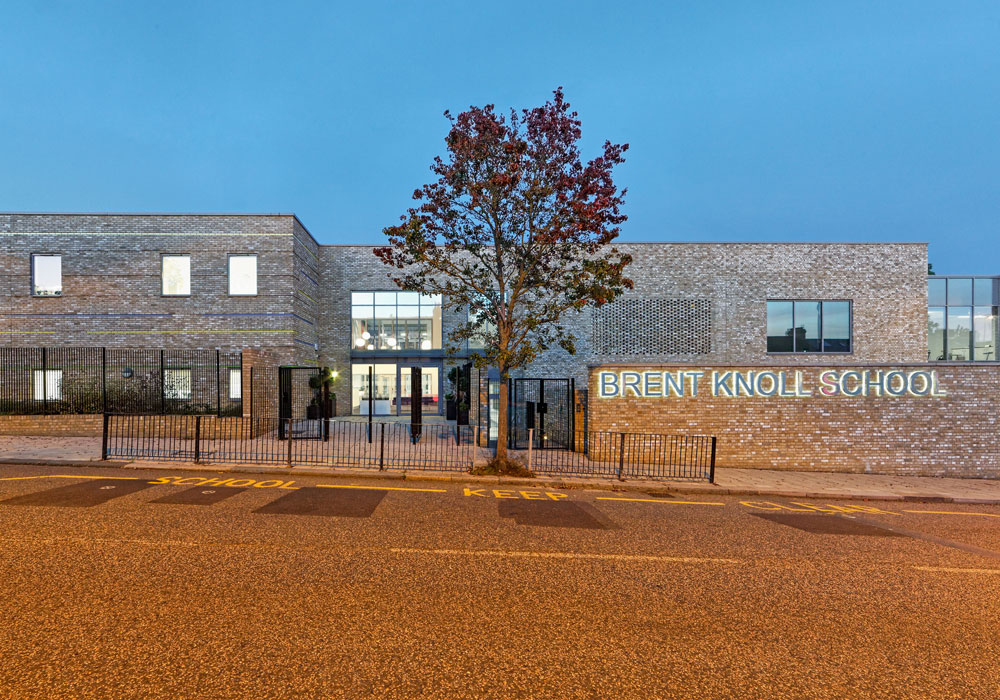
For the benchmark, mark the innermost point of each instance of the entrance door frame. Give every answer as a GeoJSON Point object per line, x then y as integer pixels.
{"type": "Point", "coordinates": [405, 366]}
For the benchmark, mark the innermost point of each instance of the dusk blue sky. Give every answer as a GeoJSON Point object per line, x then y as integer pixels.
{"type": "Point", "coordinates": [854, 121]}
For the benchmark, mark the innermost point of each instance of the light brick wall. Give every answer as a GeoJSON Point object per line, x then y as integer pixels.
{"type": "Point", "coordinates": [955, 435]}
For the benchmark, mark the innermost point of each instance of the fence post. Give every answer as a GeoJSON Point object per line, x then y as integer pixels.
{"type": "Point", "coordinates": [475, 446]}
{"type": "Point", "coordinates": [711, 471]}
{"type": "Point", "coordinates": [45, 382]}
{"type": "Point", "coordinates": [218, 389]}
{"type": "Point", "coordinates": [381, 449]}
{"type": "Point", "coordinates": [531, 442]}
{"type": "Point", "coordinates": [163, 388]}
{"type": "Point", "coordinates": [197, 439]}
{"type": "Point", "coordinates": [621, 457]}
{"type": "Point", "coordinates": [288, 436]}
{"type": "Point", "coordinates": [104, 379]}
{"type": "Point", "coordinates": [104, 439]}
{"type": "Point", "coordinates": [251, 389]}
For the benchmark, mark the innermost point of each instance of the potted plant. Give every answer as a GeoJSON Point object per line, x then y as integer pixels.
{"type": "Point", "coordinates": [321, 383]}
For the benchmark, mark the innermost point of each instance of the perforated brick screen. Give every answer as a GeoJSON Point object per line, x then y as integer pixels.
{"type": "Point", "coordinates": [654, 327]}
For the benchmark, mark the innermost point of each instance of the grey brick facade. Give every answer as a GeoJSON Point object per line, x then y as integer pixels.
{"type": "Point", "coordinates": [693, 302]}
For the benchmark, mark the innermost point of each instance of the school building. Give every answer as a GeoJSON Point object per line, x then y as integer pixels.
{"type": "Point", "coordinates": [819, 356]}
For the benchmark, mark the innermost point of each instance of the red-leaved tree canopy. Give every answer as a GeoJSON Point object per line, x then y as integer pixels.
{"type": "Point", "coordinates": [517, 229]}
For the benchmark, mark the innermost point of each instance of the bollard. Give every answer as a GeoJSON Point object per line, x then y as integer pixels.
{"type": "Point", "coordinates": [711, 472]}
{"type": "Point", "coordinates": [197, 439]}
{"type": "Point", "coordinates": [621, 458]}
{"type": "Point", "coordinates": [531, 441]}
{"type": "Point", "coordinates": [104, 438]}
{"type": "Point", "coordinates": [381, 449]}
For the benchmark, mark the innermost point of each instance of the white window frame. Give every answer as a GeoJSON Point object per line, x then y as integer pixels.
{"type": "Point", "coordinates": [34, 287]}
{"type": "Point", "coordinates": [171, 389]}
{"type": "Point", "coordinates": [230, 274]}
{"type": "Point", "coordinates": [235, 384]}
{"type": "Point", "coordinates": [163, 279]}
{"type": "Point", "coordinates": [51, 389]}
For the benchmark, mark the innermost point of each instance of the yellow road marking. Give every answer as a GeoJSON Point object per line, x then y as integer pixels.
{"type": "Point", "coordinates": [379, 488]}
{"type": "Point", "coordinates": [957, 571]}
{"type": "Point", "coordinates": [660, 500]}
{"type": "Point", "coordinates": [563, 555]}
{"type": "Point", "coordinates": [953, 512]}
{"type": "Point", "coordinates": [77, 476]}
{"type": "Point", "coordinates": [19, 478]}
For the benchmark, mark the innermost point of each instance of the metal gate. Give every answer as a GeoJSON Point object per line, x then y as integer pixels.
{"type": "Point", "coordinates": [300, 402]}
{"type": "Point", "coordinates": [542, 405]}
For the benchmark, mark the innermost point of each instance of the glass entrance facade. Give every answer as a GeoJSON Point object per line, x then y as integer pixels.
{"type": "Point", "coordinates": [392, 393]}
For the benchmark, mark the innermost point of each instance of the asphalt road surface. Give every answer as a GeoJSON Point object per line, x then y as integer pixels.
{"type": "Point", "coordinates": [125, 584]}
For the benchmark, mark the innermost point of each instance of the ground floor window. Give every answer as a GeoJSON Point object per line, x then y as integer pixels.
{"type": "Point", "coordinates": [48, 385]}
{"type": "Point", "coordinates": [177, 384]}
{"type": "Point", "coordinates": [391, 393]}
{"type": "Point", "coordinates": [235, 384]}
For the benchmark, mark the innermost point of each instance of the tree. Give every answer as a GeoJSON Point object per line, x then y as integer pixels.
{"type": "Point", "coordinates": [516, 229]}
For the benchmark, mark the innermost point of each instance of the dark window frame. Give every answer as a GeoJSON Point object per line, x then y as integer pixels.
{"type": "Point", "coordinates": [190, 275]}
{"type": "Point", "coordinates": [822, 334]}
{"type": "Point", "coordinates": [34, 294]}
{"type": "Point", "coordinates": [229, 273]}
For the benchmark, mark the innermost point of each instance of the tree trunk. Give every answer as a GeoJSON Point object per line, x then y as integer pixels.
{"type": "Point", "coordinates": [502, 418]}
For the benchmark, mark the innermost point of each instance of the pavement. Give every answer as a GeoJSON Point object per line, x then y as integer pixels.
{"type": "Point", "coordinates": [85, 451]}
{"type": "Point", "coordinates": [175, 584]}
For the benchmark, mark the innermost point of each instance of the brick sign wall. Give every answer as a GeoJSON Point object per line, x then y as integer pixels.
{"type": "Point", "coordinates": [934, 420]}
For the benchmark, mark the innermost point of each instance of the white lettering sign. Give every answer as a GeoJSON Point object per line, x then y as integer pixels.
{"type": "Point", "coordinates": [777, 383]}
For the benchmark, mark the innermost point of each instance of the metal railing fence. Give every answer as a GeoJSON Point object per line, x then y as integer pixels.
{"type": "Point", "coordinates": [291, 442]}
{"type": "Point", "coordinates": [622, 455]}
{"type": "Point", "coordinates": [44, 380]}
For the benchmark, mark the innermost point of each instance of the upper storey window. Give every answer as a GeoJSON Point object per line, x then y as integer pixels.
{"type": "Point", "coordinates": [46, 275]}
{"type": "Point", "coordinates": [395, 321]}
{"type": "Point", "coordinates": [175, 275]}
{"type": "Point", "coordinates": [808, 326]}
{"type": "Point", "coordinates": [242, 275]}
{"type": "Point", "coordinates": [962, 319]}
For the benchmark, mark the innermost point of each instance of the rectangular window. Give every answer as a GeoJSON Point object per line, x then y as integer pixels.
{"type": "Point", "coordinates": [242, 275]}
{"type": "Point", "coordinates": [175, 275]}
{"type": "Point", "coordinates": [960, 291]}
{"type": "Point", "coordinates": [984, 333]}
{"type": "Point", "coordinates": [46, 275]}
{"type": "Point", "coordinates": [236, 384]}
{"type": "Point", "coordinates": [935, 333]}
{"type": "Point", "coordinates": [395, 321]}
{"type": "Point", "coordinates": [48, 384]}
{"type": "Point", "coordinates": [177, 384]}
{"type": "Point", "coordinates": [808, 326]}
{"type": "Point", "coordinates": [959, 333]}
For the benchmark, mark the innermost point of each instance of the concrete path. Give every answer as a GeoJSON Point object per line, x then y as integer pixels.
{"type": "Point", "coordinates": [76, 451]}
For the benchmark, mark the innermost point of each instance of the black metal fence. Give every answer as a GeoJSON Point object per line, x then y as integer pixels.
{"type": "Point", "coordinates": [313, 442]}
{"type": "Point", "coordinates": [122, 380]}
{"type": "Point", "coordinates": [623, 455]}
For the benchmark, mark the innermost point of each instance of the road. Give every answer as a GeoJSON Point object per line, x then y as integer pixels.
{"type": "Point", "coordinates": [160, 584]}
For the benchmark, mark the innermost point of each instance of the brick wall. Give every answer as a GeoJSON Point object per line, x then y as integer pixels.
{"type": "Point", "coordinates": [953, 435]}
{"type": "Point", "coordinates": [56, 426]}
{"type": "Point", "coordinates": [112, 287]}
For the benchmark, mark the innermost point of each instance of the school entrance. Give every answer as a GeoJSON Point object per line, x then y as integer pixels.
{"type": "Point", "coordinates": [391, 392]}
